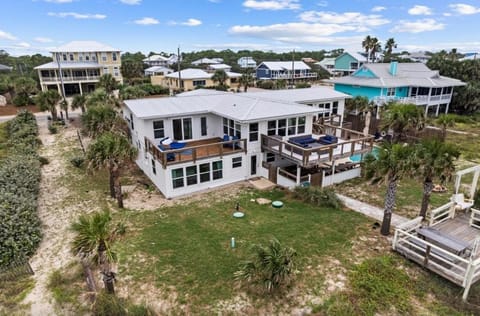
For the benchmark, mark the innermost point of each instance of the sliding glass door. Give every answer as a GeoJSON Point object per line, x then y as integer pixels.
{"type": "Point", "coordinates": [182, 129]}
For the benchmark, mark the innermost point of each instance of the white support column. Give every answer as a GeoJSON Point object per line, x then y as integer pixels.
{"type": "Point", "coordinates": [473, 187]}
{"type": "Point", "coordinates": [80, 86]}
{"type": "Point", "coordinates": [438, 108]}
{"type": "Point", "coordinates": [299, 174]}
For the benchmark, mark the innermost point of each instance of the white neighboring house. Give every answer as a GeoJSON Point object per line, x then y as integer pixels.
{"type": "Point", "coordinates": [79, 64]}
{"type": "Point", "coordinates": [156, 60]}
{"type": "Point", "coordinates": [247, 62]}
{"type": "Point", "coordinates": [207, 61]}
{"type": "Point", "coordinates": [221, 138]}
{"type": "Point", "coordinates": [158, 71]}
{"type": "Point", "coordinates": [328, 63]}
{"type": "Point", "coordinates": [215, 67]}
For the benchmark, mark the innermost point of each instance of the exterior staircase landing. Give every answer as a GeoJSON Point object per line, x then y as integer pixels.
{"type": "Point", "coordinates": [262, 184]}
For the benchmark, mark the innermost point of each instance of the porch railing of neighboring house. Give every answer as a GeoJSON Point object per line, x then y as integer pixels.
{"type": "Point", "coordinates": [193, 151]}
{"type": "Point", "coordinates": [289, 76]}
{"type": "Point", "coordinates": [74, 78]}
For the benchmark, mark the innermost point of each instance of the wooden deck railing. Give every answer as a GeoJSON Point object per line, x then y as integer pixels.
{"type": "Point", "coordinates": [293, 177]}
{"type": "Point", "coordinates": [307, 157]}
{"type": "Point", "coordinates": [215, 148]}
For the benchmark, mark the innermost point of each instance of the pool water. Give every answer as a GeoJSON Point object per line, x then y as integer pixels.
{"type": "Point", "coordinates": [358, 157]}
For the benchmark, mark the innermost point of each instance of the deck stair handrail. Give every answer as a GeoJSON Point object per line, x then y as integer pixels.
{"type": "Point", "coordinates": [475, 218]}
{"type": "Point", "coordinates": [442, 213]}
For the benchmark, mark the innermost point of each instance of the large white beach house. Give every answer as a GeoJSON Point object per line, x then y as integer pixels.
{"type": "Point", "coordinates": [204, 138]}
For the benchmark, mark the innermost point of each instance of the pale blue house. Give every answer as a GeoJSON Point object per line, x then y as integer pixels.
{"type": "Point", "coordinates": [401, 82]}
{"type": "Point", "coordinates": [349, 62]}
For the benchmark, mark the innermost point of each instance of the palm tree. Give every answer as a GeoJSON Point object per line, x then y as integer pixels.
{"type": "Point", "coordinates": [113, 152]}
{"type": "Point", "coordinates": [375, 47]}
{"type": "Point", "coordinates": [402, 117]}
{"type": "Point", "coordinates": [47, 101]}
{"type": "Point", "coordinates": [445, 120]}
{"type": "Point", "coordinates": [64, 106]}
{"type": "Point", "coordinates": [220, 76]}
{"type": "Point", "coordinates": [392, 163]}
{"type": "Point", "coordinates": [94, 237]}
{"type": "Point", "coordinates": [79, 102]}
{"type": "Point", "coordinates": [24, 86]}
{"type": "Point", "coordinates": [271, 266]}
{"type": "Point", "coordinates": [246, 80]}
{"type": "Point", "coordinates": [102, 98]}
{"type": "Point", "coordinates": [367, 44]}
{"type": "Point", "coordinates": [107, 82]}
{"type": "Point", "coordinates": [280, 84]}
{"type": "Point", "coordinates": [100, 119]}
{"type": "Point", "coordinates": [389, 46]}
{"type": "Point", "coordinates": [358, 105]}
{"type": "Point", "coordinates": [433, 159]}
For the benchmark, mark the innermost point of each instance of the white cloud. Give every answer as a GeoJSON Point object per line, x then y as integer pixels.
{"type": "Point", "coordinates": [348, 18]}
{"type": "Point", "coordinates": [314, 33]}
{"type": "Point", "coordinates": [322, 3]}
{"type": "Point", "coordinates": [378, 8]}
{"type": "Point", "coordinates": [82, 16]}
{"type": "Point", "coordinates": [146, 21]}
{"type": "Point", "coordinates": [59, 1]}
{"type": "Point", "coordinates": [131, 2]}
{"type": "Point", "coordinates": [7, 36]}
{"type": "Point", "coordinates": [418, 26]}
{"type": "Point", "coordinates": [464, 9]}
{"type": "Point", "coordinates": [192, 22]}
{"type": "Point", "coordinates": [420, 10]}
{"type": "Point", "coordinates": [272, 4]}
{"type": "Point", "coordinates": [23, 45]}
{"type": "Point", "coordinates": [43, 39]}
{"type": "Point", "coordinates": [189, 22]}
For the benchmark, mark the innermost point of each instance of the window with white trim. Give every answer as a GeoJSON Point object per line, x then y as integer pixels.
{"type": "Point", "coordinates": [204, 172]}
{"type": "Point", "coordinates": [390, 92]}
{"type": "Point", "coordinates": [253, 132]}
{"type": "Point", "coordinates": [236, 162]}
{"type": "Point", "coordinates": [335, 107]}
{"type": "Point", "coordinates": [203, 126]}
{"type": "Point", "coordinates": [292, 126]}
{"type": "Point", "coordinates": [71, 57]}
{"type": "Point", "coordinates": [199, 83]}
{"type": "Point", "coordinates": [114, 56]}
{"type": "Point", "coordinates": [231, 128]}
{"type": "Point", "coordinates": [182, 128]}
{"type": "Point", "coordinates": [116, 71]}
{"type": "Point", "coordinates": [301, 124]}
{"type": "Point", "coordinates": [154, 167]}
{"type": "Point", "coordinates": [191, 173]}
{"type": "Point", "coordinates": [158, 129]}
{"type": "Point", "coordinates": [217, 170]}
{"type": "Point", "coordinates": [80, 56]}
{"type": "Point", "coordinates": [270, 157]}
{"type": "Point", "coordinates": [105, 70]}
{"type": "Point", "coordinates": [177, 178]}
{"type": "Point", "coordinates": [104, 56]}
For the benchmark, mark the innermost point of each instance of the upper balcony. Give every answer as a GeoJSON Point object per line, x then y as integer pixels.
{"type": "Point", "coordinates": [318, 148]}
{"type": "Point", "coordinates": [417, 100]}
{"type": "Point", "coordinates": [295, 76]}
{"type": "Point", "coordinates": [68, 79]}
{"type": "Point", "coordinates": [195, 150]}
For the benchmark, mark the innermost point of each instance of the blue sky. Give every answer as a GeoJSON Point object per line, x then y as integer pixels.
{"type": "Point", "coordinates": [31, 26]}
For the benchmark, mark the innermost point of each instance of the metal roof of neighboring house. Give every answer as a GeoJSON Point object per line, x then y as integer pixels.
{"type": "Point", "coordinates": [4, 67]}
{"type": "Point", "coordinates": [231, 74]}
{"type": "Point", "coordinates": [158, 69]}
{"type": "Point", "coordinates": [355, 55]}
{"type": "Point", "coordinates": [326, 61]}
{"type": "Point", "coordinates": [237, 106]}
{"type": "Point", "coordinates": [156, 58]}
{"type": "Point", "coordinates": [84, 46]}
{"type": "Point", "coordinates": [69, 65]}
{"type": "Point", "coordinates": [247, 58]}
{"type": "Point", "coordinates": [191, 73]}
{"type": "Point", "coordinates": [219, 66]}
{"type": "Point", "coordinates": [207, 61]}
{"type": "Point", "coordinates": [408, 74]}
{"type": "Point", "coordinates": [285, 65]}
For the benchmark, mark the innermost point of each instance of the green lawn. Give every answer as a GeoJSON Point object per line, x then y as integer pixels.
{"type": "Point", "coordinates": [188, 247]}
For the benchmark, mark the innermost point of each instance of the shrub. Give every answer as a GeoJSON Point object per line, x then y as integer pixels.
{"type": "Point", "coordinates": [303, 85]}
{"type": "Point", "coordinates": [265, 84]}
{"type": "Point", "coordinates": [132, 92]}
{"type": "Point", "coordinates": [19, 186]}
{"type": "Point", "coordinates": [77, 161]}
{"type": "Point", "coordinates": [43, 160]}
{"type": "Point", "coordinates": [270, 267]}
{"type": "Point", "coordinates": [317, 196]}
{"type": "Point", "coordinates": [52, 129]}
{"type": "Point", "coordinates": [21, 100]}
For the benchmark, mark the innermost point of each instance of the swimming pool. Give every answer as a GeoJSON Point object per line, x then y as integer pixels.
{"type": "Point", "coordinates": [358, 157]}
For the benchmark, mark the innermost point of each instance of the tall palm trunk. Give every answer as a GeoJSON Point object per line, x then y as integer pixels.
{"type": "Point", "coordinates": [111, 182]}
{"type": "Point", "coordinates": [54, 113]}
{"type": "Point", "coordinates": [108, 275]}
{"type": "Point", "coordinates": [389, 205]}
{"type": "Point", "coordinates": [427, 191]}
{"type": "Point", "coordinates": [118, 188]}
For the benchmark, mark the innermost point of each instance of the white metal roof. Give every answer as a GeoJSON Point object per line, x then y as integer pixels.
{"type": "Point", "coordinates": [237, 106]}
{"type": "Point", "coordinates": [84, 46]}
{"type": "Point", "coordinates": [69, 65]}
{"type": "Point", "coordinates": [206, 61]}
{"type": "Point", "coordinates": [191, 73]}
{"type": "Point", "coordinates": [219, 66]}
{"type": "Point", "coordinates": [301, 95]}
{"type": "Point", "coordinates": [156, 58]}
{"type": "Point", "coordinates": [231, 74]}
{"type": "Point", "coordinates": [285, 65]}
{"type": "Point", "coordinates": [158, 69]}
{"type": "Point", "coordinates": [408, 74]}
